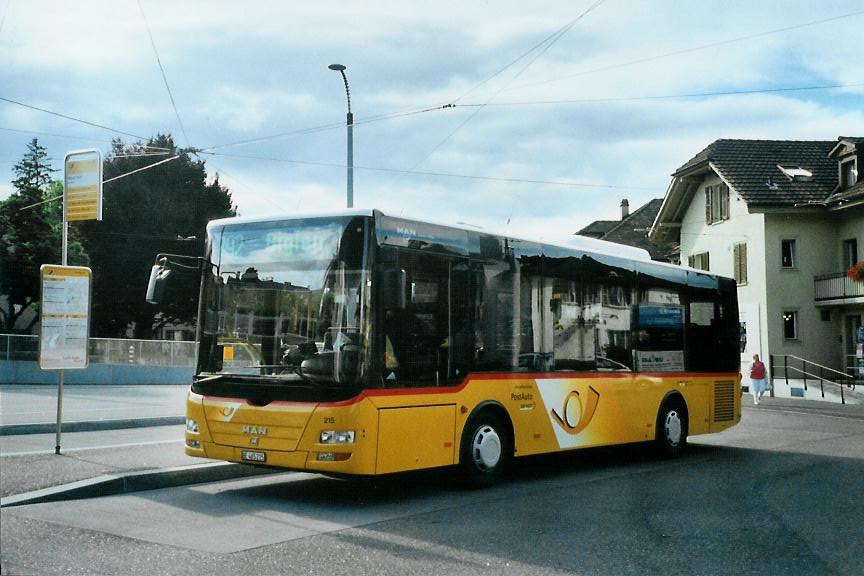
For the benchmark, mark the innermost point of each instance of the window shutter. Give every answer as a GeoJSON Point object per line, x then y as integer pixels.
{"type": "Point", "coordinates": [708, 205]}
{"type": "Point", "coordinates": [724, 202]}
{"type": "Point", "coordinates": [706, 261]}
{"type": "Point", "coordinates": [740, 256]}
{"type": "Point", "coordinates": [691, 261]}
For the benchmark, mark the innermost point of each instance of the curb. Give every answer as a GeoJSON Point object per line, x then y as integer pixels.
{"type": "Point", "coordinates": [113, 484]}
{"type": "Point", "coordinates": [89, 425]}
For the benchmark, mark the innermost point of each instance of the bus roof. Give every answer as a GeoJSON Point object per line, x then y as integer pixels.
{"type": "Point", "coordinates": [576, 242]}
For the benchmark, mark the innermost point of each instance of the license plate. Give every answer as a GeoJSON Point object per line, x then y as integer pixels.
{"type": "Point", "coordinates": [251, 456]}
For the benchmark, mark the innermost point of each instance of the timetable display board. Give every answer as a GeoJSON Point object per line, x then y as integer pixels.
{"type": "Point", "coordinates": [65, 321]}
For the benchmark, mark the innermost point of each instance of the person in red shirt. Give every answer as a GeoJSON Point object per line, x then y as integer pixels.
{"type": "Point", "coordinates": [757, 379]}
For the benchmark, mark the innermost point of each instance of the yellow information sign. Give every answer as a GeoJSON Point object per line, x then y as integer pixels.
{"type": "Point", "coordinates": [82, 194]}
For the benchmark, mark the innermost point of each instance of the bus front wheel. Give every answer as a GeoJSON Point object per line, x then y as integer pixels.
{"type": "Point", "coordinates": [485, 449]}
{"type": "Point", "coordinates": [671, 436]}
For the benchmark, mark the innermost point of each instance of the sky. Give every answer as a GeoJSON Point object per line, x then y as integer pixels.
{"type": "Point", "coordinates": [530, 118]}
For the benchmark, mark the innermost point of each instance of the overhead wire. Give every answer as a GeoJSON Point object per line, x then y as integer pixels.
{"type": "Point", "coordinates": [689, 50]}
{"type": "Point", "coordinates": [429, 173]}
{"type": "Point", "coordinates": [541, 49]}
{"type": "Point", "coordinates": [666, 96]}
{"type": "Point", "coordinates": [82, 121]}
{"type": "Point", "coordinates": [164, 77]}
{"type": "Point", "coordinates": [67, 136]}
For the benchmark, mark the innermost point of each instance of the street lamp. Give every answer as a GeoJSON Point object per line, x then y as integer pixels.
{"type": "Point", "coordinates": [350, 123]}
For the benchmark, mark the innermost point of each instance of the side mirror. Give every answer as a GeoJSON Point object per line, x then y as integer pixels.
{"type": "Point", "coordinates": [158, 277]}
{"type": "Point", "coordinates": [393, 282]}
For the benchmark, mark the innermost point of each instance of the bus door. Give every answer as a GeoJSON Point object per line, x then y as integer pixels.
{"type": "Point", "coordinates": [426, 343]}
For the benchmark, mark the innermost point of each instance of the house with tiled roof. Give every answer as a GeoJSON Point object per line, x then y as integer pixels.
{"type": "Point", "coordinates": [632, 230]}
{"type": "Point", "coordinates": [786, 220]}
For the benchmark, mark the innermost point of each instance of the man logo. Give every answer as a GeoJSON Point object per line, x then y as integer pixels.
{"type": "Point", "coordinates": [576, 415]}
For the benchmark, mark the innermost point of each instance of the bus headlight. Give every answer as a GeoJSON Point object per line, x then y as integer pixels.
{"type": "Point", "coordinates": [192, 426]}
{"type": "Point", "coordinates": [337, 437]}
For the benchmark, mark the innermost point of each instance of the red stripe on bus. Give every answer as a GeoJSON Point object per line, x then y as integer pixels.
{"type": "Point", "coordinates": [383, 392]}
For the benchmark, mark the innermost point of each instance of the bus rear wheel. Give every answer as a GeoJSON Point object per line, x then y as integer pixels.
{"type": "Point", "coordinates": [671, 435]}
{"type": "Point", "coordinates": [485, 449]}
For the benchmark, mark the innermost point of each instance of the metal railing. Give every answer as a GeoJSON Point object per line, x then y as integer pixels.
{"type": "Point", "coordinates": [108, 351]}
{"type": "Point", "coordinates": [802, 368]}
{"type": "Point", "coordinates": [852, 369]}
{"type": "Point", "coordinates": [836, 287]}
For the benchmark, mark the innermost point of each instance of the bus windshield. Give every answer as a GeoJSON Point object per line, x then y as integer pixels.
{"type": "Point", "coordinates": [285, 302]}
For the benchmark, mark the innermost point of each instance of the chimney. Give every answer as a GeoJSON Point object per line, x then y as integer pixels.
{"type": "Point", "coordinates": [625, 209]}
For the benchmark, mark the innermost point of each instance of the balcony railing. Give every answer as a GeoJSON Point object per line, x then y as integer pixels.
{"type": "Point", "coordinates": [837, 287]}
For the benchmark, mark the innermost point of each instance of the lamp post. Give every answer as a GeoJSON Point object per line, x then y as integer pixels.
{"type": "Point", "coordinates": [350, 123]}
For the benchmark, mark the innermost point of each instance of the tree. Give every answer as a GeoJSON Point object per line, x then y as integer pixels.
{"type": "Point", "coordinates": [27, 240]}
{"type": "Point", "coordinates": [163, 209]}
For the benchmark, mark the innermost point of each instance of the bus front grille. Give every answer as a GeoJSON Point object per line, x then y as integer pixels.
{"type": "Point", "coordinates": [724, 401]}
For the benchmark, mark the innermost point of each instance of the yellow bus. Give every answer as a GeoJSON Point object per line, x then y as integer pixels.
{"type": "Point", "coordinates": [384, 345]}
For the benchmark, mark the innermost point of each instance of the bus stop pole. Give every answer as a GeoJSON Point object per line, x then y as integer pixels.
{"type": "Point", "coordinates": [59, 412]}
{"type": "Point", "coordinates": [60, 380]}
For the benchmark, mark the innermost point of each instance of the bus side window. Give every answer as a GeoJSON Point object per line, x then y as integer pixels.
{"type": "Point", "coordinates": [701, 334]}
{"type": "Point", "coordinates": [591, 325]}
{"type": "Point", "coordinates": [658, 331]}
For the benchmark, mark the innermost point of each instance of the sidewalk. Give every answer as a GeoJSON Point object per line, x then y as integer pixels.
{"type": "Point", "coordinates": [28, 409]}
{"type": "Point", "coordinates": [146, 460]}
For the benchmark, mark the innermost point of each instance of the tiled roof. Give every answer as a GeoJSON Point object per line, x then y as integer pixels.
{"type": "Point", "coordinates": [598, 228]}
{"type": "Point", "coordinates": [751, 168]}
{"type": "Point", "coordinates": [633, 231]}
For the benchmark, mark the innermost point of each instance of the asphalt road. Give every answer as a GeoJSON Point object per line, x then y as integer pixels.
{"type": "Point", "coordinates": [778, 494]}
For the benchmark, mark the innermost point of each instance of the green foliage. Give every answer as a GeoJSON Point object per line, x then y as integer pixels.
{"type": "Point", "coordinates": [27, 240]}
{"type": "Point", "coordinates": [163, 209]}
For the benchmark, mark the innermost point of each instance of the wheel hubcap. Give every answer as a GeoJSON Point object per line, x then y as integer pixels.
{"type": "Point", "coordinates": [673, 426]}
{"type": "Point", "coordinates": [486, 448]}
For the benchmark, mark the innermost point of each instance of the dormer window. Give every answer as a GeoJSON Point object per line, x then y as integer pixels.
{"type": "Point", "coordinates": [796, 173]}
{"type": "Point", "coordinates": [848, 173]}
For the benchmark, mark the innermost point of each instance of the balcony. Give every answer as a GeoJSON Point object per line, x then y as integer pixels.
{"type": "Point", "coordinates": [833, 289]}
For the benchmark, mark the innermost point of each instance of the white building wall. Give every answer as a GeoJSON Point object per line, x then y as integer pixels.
{"type": "Point", "coordinates": [718, 240]}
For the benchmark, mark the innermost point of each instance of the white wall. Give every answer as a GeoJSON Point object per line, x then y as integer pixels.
{"type": "Point", "coordinates": [718, 240]}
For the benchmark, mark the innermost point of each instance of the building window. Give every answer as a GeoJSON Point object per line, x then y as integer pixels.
{"type": "Point", "coordinates": [716, 203]}
{"type": "Point", "coordinates": [740, 264]}
{"type": "Point", "coordinates": [699, 261]}
{"type": "Point", "coordinates": [790, 325]}
{"type": "Point", "coordinates": [850, 252]}
{"type": "Point", "coordinates": [848, 174]}
{"type": "Point", "coordinates": [825, 315]}
{"type": "Point", "coordinates": [787, 253]}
